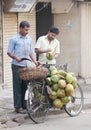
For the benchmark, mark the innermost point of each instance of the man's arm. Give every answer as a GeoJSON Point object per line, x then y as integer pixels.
{"type": "Point", "coordinates": [14, 57]}
{"type": "Point", "coordinates": [40, 51]}
{"type": "Point", "coordinates": [32, 56]}
{"type": "Point", "coordinates": [11, 49]}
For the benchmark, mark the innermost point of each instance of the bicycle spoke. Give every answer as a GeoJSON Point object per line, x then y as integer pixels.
{"type": "Point", "coordinates": [74, 107]}
{"type": "Point", "coordinates": [37, 103]}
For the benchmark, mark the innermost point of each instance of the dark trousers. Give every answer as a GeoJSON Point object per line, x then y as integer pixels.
{"type": "Point", "coordinates": [19, 88]}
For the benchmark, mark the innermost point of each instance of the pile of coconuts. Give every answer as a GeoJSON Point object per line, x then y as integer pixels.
{"type": "Point", "coordinates": [62, 85]}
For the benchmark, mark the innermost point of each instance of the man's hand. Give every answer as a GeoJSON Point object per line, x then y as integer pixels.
{"type": "Point", "coordinates": [38, 63]}
{"type": "Point", "coordinates": [48, 50]}
{"type": "Point", "coordinates": [18, 59]}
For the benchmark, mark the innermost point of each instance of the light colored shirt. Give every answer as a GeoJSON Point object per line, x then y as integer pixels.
{"type": "Point", "coordinates": [21, 47]}
{"type": "Point", "coordinates": [43, 44]}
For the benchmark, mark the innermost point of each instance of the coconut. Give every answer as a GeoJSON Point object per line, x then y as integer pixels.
{"type": "Point", "coordinates": [54, 78]}
{"type": "Point", "coordinates": [62, 72]}
{"type": "Point", "coordinates": [60, 92]}
{"type": "Point", "coordinates": [48, 80]}
{"type": "Point", "coordinates": [66, 99]}
{"type": "Point", "coordinates": [62, 83]}
{"type": "Point", "coordinates": [69, 90]}
{"type": "Point", "coordinates": [55, 87]}
{"type": "Point", "coordinates": [53, 95]}
{"type": "Point", "coordinates": [50, 56]}
{"type": "Point", "coordinates": [53, 72]}
{"type": "Point", "coordinates": [69, 78]}
{"type": "Point", "coordinates": [52, 68]}
{"type": "Point", "coordinates": [74, 82]}
{"type": "Point", "coordinates": [57, 103]}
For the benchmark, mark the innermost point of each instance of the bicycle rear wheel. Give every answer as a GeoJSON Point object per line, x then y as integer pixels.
{"type": "Point", "coordinates": [74, 107]}
{"type": "Point", "coordinates": [37, 103]}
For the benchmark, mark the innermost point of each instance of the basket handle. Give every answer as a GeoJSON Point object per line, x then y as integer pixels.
{"type": "Point", "coordinates": [25, 59]}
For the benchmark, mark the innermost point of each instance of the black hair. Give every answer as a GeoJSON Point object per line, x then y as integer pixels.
{"type": "Point", "coordinates": [54, 30]}
{"type": "Point", "coordinates": [24, 23]}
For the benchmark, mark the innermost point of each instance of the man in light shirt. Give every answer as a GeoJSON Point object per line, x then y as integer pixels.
{"type": "Point", "coordinates": [20, 46]}
{"type": "Point", "coordinates": [48, 44]}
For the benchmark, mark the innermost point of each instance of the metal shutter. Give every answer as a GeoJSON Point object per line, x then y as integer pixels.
{"type": "Point", "coordinates": [9, 30]}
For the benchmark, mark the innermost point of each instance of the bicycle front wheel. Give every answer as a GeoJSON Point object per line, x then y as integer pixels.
{"type": "Point", "coordinates": [37, 103]}
{"type": "Point", "coordinates": [74, 107]}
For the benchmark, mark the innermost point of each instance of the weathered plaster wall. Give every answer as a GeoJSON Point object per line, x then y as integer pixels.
{"type": "Point", "coordinates": [69, 37]}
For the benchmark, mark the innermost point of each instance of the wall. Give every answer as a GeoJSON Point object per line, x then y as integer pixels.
{"type": "Point", "coordinates": [69, 37]}
{"type": "Point", "coordinates": [0, 43]}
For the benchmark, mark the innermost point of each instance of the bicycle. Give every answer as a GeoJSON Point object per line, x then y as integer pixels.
{"type": "Point", "coordinates": [38, 103]}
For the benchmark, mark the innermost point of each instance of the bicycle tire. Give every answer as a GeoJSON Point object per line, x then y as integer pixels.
{"type": "Point", "coordinates": [74, 107]}
{"type": "Point", "coordinates": [37, 103]}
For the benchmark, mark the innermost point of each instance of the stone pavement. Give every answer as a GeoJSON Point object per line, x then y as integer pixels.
{"type": "Point", "coordinates": [8, 118]}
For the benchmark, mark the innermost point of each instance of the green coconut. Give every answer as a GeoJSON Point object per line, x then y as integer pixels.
{"type": "Point", "coordinates": [69, 78]}
{"type": "Point", "coordinates": [54, 78]}
{"type": "Point", "coordinates": [60, 92]}
{"type": "Point", "coordinates": [57, 103]}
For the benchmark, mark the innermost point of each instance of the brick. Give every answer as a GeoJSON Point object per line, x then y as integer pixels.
{"type": "Point", "coordinates": [19, 120]}
{"type": "Point", "coordinates": [10, 124]}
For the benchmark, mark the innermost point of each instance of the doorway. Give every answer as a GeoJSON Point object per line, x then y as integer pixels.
{"type": "Point", "coordinates": [44, 18]}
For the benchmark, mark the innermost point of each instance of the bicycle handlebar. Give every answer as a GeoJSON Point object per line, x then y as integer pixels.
{"type": "Point", "coordinates": [64, 66]}
{"type": "Point", "coordinates": [25, 59]}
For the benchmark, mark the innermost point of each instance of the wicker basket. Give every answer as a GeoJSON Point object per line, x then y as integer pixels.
{"type": "Point", "coordinates": [29, 73]}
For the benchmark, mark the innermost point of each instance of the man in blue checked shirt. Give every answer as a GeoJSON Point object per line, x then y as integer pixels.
{"type": "Point", "coordinates": [20, 46]}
